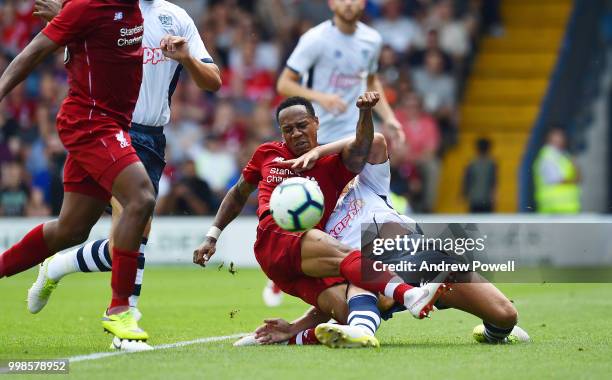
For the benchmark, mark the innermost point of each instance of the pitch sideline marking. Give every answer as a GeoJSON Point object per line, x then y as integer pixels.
{"type": "Point", "coordinates": [102, 355]}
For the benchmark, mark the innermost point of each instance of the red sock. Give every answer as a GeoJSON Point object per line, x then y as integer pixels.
{"type": "Point", "coordinates": [125, 264]}
{"type": "Point", "coordinates": [375, 281]}
{"type": "Point", "coordinates": [276, 289]}
{"type": "Point", "coordinates": [31, 250]}
{"type": "Point", "coordinates": [304, 338]}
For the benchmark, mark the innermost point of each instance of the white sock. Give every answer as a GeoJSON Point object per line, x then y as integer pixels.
{"type": "Point", "coordinates": [61, 265]}
{"type": "Point", "coordinates": [91, 257]}
{"type": "Point", "coordinates": [139, 275]}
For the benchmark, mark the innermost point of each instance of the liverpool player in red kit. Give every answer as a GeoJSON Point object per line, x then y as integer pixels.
{"type": "Point", "coordinates": [307, 265]}
{"type": "Point", "coordinates": [104, 63]}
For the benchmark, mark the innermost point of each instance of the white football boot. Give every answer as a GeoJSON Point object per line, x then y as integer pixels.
{"type": "Point", "coordinates": [420, 301]}
{"type": "Point", "coordinates": [272, 295]}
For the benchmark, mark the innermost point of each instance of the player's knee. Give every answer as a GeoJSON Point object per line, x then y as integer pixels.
{"type": "Point", "coordinates": [144, 204]}
{"type": "Point", "coordinates": [507, 315]}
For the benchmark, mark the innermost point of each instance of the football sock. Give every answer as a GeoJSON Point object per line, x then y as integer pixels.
{"type": "Point", "coordinates": [377, 282]}
{"type": "Point", "coordinates": [304, 338]}
{"type": "Point", "coordinates": [91, 257]}
{"type": "Point", "coordinates": [139, 274]}
{"type": "Point", "coordinates": [364, 313]}
{"type": "Point", "coordinates": [94, 257]}
{"type": "Point", "coordinates": [125, 265]}
{"type": "Point", "coordinates": [28, 252]}
{"type": "Point", "coordinates": [495, 334]}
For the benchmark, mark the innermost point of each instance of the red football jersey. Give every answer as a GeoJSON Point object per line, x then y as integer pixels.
{"type": "Point", "coordinates": [264, 171]}
{"type": "Point", "coordinates": [103, 57]}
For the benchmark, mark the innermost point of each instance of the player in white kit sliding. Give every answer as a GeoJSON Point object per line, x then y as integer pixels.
{"type": "Point", "coordinates": [171, 43]}
{"type": "Point", "coordinates": [332, 64]}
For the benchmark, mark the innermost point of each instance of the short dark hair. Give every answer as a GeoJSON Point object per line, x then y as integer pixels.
{"type": "Point", "coordinates": [296, 101]}
{"type": "Point", "coordinates": [483, 145]}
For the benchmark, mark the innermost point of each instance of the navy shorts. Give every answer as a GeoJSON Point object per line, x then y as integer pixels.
{"type": "Point", "coordinates": [150, 146]}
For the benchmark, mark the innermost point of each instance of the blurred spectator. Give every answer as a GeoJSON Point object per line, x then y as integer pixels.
{"type": "Point", "coordinates": [398, 31]}
{"type": "Point", "coordinates": [189, 196]}
{"type": "Point", "coordinates": [439, 93]}
{"type": "Point", "coordinates": [215, 164]}
{"type": "Point", "coordinates": [17, 25]}
{"type": "Point", "coordinates": [249, 40]}
{"type": "Point", "coordinates": [36, 206]}
{"type": "Point", "coordinates": [480, 179]}
{"type": "Point", "coordinates": [556, 177]}
{"type": "Point", "coordinates": [422, 144]}
{"type": "Point", "coordinates": [454, 33]}
{"type": "Point", "coordinates": [432, 44]}
{"type": "Point", "coordinates": [14, 192]}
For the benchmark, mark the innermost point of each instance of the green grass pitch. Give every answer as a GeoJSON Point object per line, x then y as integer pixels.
{"type": "Point", "coordinates": [570, 325]}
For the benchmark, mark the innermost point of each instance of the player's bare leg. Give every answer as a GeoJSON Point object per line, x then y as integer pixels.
{"type": "Point", "coordinates": [93, 256]}
{"type": "Point", "coordinates": [478, 297]}
{"type": "Point", "coordinates": [324, 256]}
{"type": "Point", "coordinates": [134, 298]}
{"type": "Point", "coordinates": [78, 215]}
{"type": "Point", "coordinates": [133, 190]}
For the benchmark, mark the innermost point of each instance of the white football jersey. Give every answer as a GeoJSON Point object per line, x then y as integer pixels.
{"type": "Point", "coordinates": [332, 62]}
{"type": "Point", "coordinates": [160, 74]}
{"type": "Point", "coordinates": [365, 202]}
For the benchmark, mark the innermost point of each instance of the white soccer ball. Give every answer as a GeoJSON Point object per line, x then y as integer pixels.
{"type": "Point", "coordinates": [297, 204]}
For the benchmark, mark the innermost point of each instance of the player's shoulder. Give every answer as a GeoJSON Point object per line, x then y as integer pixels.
{"type": "Point", "coordinates": [82, 4]}
{"type": "Point", "coordinates": [174, 10]}
{"type": "Point", "coordinates": [320, 30]}
{"type": "Point", "coordinates": [270, 147]}
{"type": "Point", "coordinates": [367, 32]}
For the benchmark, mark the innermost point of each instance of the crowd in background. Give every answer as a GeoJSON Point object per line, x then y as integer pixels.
{"type": "Point", "coordinates": [428, 45]}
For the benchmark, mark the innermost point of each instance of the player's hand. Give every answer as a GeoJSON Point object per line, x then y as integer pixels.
{"type": "Point", "coordinates": [368, 100]}
{"type": "Point", "coordinates": [332, 103]}
{"type": "Point", "coordinates": [205, 251]}
{"type": "Point", "coordinates": [175, 47]}
{"type": "Point", "coordinates": [274, 330]}
{"type": "Point", "coordinates": [396, 133]}
{"type": "Point", "coordinates": [305, 162]}
{"type": "Point", "coordinates": [47, 9]}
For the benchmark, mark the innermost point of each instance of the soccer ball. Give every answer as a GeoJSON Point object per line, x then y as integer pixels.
{"type": "Point", "coordinates": [297, 204]}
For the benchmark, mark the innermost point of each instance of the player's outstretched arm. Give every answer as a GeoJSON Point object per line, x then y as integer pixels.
{"type": "Point", "coordinates": [230, 208]}
{"type": "Point", "coordinates": [378, 153]}
{"type": "Point", "coordinates": [277, 330]}
{"type": "Point", "coordinates": [206, 75]}
{"type": "Point", "coordinates": [25, 62]}
{"type": "Point", "coordinates": [355, 155]}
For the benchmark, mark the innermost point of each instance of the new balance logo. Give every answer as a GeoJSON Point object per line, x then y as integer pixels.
{"type": "Point", "coordinates": [118, 16]}
{"type": "Point", "coordinates": [123, 142]}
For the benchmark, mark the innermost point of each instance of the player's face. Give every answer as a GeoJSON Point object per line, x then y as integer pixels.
{"type": "Point", "coordinates": [349, 11]}
{"type": "Point", "coordinates": [299, 129]}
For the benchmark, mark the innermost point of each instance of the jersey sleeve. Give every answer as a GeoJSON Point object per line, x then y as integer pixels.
{"type": "Point", "coordinates": [196, 45]}
{"type": "Point", "coordinates": [252, 171]}
{"type": "Point", "coordinates": [305, 54]}
{"type": "Point", "coordinates": [74, 20]}
{"type": "Point", "coordinates": [377, 177]}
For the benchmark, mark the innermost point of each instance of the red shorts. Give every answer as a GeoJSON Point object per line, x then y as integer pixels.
{"type": "Point", "coordinates": [279, 254]}
{"type": "Point", "coordinates": [98, 150]}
